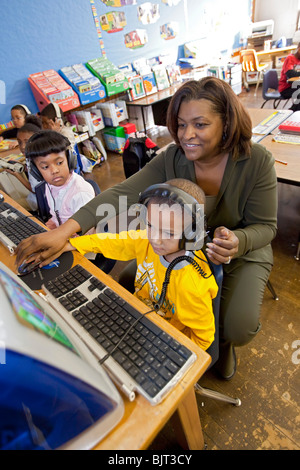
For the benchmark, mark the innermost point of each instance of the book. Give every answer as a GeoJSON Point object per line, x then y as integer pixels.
{"type": "Point", "coordinates": [137, 89]}
{"type": "Point", "coordinates": [8, 144]}
{"type": "Point", "coordinates": [291, 125]}
{"type": "Point", "coordinates": [149, 83]}
{"type": "Point", "coordinates": [161, 77]}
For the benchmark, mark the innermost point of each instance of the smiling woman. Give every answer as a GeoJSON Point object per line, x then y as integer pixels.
{"type": "Point", "coordinates": [212, 133]}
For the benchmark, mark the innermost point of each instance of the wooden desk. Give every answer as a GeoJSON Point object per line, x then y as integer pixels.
{"type": "Point", "coordinates": [159, 102]}
{"type": "Point", "coordinates": [142, 422]}
{"type": "Point", "coordinates": [273, 53]}
{"type": "Point", "coordinates": [289, 153]}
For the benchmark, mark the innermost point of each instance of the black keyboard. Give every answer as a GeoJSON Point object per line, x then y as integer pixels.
{"type": "Point", "coordinates": [15, 226]}
{"type": "Point", "coordinates": [152, 360]}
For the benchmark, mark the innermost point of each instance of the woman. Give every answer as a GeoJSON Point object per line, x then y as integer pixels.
{"type": "Point", "coordinates": [212, 134]}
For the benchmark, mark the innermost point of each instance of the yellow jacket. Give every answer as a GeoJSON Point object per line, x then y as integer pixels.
{"type": "Point", "coordinates": [188, 301]}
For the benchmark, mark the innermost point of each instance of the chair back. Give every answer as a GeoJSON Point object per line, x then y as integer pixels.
{"type": "Point", "coordinates": [270, 81]}
{"type": "Point", "coordinates": [213, 349]}
{"type": "Point", "coordinates": [249, 60]}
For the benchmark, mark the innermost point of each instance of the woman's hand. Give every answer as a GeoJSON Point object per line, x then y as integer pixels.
{"type": "Point", "coordinates": [223, 246]}
{"type": "Point", "coordinates": [46, 246]}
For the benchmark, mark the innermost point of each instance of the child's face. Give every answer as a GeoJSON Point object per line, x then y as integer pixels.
{"type": "Point", "coordinates": [54, 168]}
{"type": "Point", "coordinates": [18, 118]}
{"type": "Point", "coordinates": [23, 138]}
{"type": "Point", "coordinates": [50, 124]}
{"type": "Point", "coordinates": [164, 229]}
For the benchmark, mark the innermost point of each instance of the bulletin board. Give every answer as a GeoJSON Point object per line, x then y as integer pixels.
{"type": "Point", "coordinates": [131, 29]}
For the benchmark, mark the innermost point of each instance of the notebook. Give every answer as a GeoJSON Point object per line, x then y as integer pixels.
{"type": "Point", "coordinates": [292, 124]}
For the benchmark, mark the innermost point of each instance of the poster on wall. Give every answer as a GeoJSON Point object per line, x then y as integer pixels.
{"type": "Point", "coordinates": [148, 13]}
{"type": "Point", "coordinates": [136, 39]}
{"type": "Point", "coordinates": [118, 3]}
{"type": "Point", "coordinates": [169, 30]}
{"type": "Point", "coordinates": [113, 21]}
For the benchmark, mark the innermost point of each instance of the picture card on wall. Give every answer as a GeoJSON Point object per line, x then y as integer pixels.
{"type": "Point", "coordinates": [118, 3]}
{"type": "Point", "coordinates": [148, 13]}
{"type": "Point", "coordinates": [113, 21]}
{"type": "Point", "coordinates": [169, 30]}
{"type": "Point", "coordinates": [136, 39]}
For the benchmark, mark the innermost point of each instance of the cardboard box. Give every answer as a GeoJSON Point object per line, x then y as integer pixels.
{"type": "Point", "coordinates": [115, 139]}
{"type": "Point", "coordinates": [49, 87]}
{"type": "Point", "coordinates": [113, 112]}
{"type": "Point", "coordinates": [88, 87]}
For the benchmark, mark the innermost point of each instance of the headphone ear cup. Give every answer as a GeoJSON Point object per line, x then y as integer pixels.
{"type": "Point", "coordinates": [33, 170]}
{"type": "Point", "coordinates": [72, 159]}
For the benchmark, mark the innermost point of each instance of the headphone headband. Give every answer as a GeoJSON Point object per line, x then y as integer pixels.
{"type": "Point", "coordinates": [27, 111]}
{"type": "Point", "coordinates": [193, 235]}
{"type": "Point", "coordinates": [58, 111]}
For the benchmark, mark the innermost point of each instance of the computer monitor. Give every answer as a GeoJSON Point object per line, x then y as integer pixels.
{"type": "Point", "coordinates": [53, 392]}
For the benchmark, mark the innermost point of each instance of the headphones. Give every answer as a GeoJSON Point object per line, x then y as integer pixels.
{"type": "Point", "coordinates": [58, 111]}
{"type": "Point", "coordinates": [194, 234]}
{"type": "Point", "coordinates": [25, 108]}
{"type": "Point", "coordinates": [71, 159]}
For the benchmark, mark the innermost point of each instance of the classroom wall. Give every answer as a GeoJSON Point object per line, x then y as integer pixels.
{"type": "Point", "coordinates": [38, 35]}
{"type": "Point", "coordinates": [283, 14]}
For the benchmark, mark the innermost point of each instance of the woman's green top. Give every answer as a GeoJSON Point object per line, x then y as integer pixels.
{"type": "Point", "coordinates": [246, 203]}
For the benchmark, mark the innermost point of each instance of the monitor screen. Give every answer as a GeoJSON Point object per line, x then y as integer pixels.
{"type": "Point", "coordinates": [53, 393]}
{"type": "Point", "coordinates": [29, 312]}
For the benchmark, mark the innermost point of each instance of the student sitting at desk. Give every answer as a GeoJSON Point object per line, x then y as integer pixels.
{"type": "Point", "coordinates": [188, 300]}
{"type": "Point", "coordinates": [31, 126]}
{"type": "Point", "coordinates": [290, 69]}
{"type": "Point", "coordinates": [18, 115]}
{"type": "Point", "coordinates": [53, 161]}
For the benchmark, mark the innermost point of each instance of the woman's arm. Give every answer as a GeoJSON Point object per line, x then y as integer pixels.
{"type": "Point", "coordinates": [46, 246]}
{"type": "Point", "coordinates": [49, 245]}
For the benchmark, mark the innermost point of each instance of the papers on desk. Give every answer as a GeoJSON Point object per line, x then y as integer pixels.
{"type": "Point", "coordinates": [270, 123]}
{"type": "Point", "coordinates": [8, 144]}
{"type": "Point", "coordinates": [257, 137]}
{"type": "Point", "coordinates": [287, 138]}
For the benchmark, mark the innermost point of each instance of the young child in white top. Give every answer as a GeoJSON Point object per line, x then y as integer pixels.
{"type": "Point", "coordinates": [52, 161]}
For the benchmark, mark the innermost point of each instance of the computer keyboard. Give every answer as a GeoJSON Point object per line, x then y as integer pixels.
{"type": "Point", "coordinates": [15, 226]}
{"type": "Point", "coordinates": [141, 356]}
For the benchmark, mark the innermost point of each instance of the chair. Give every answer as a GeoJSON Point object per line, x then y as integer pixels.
{"type": "Point", "coordinates": [270, 89]}
{"type": "Point", "coordinates": [250, 63]}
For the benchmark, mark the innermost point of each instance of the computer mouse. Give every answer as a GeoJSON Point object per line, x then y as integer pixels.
{"type": "Point", "coordinates": [1, 198]}
{"type": "Point", "coordinates": [28, 267]}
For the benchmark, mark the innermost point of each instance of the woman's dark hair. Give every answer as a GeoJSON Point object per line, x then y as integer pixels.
{"type": "Point", "coordinates": [237, 126]}
{"type": "Point", "coordinates": [32, 124]}
{"type": "Point", "coordinates": [45, 142]}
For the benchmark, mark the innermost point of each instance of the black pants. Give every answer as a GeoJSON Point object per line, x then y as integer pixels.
{"type": "Point", "coordinates": [293, 92]}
